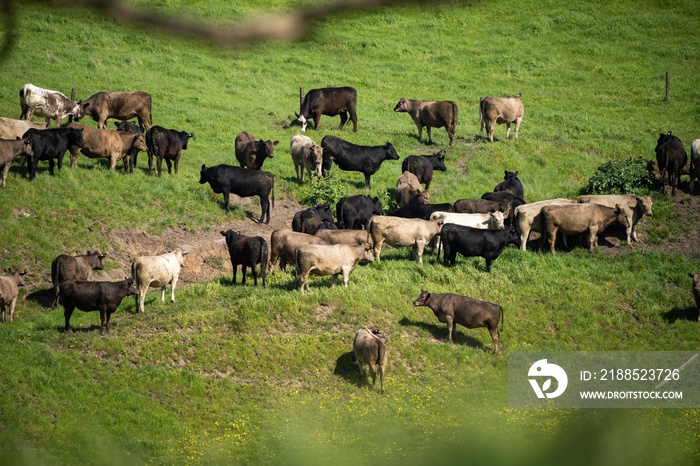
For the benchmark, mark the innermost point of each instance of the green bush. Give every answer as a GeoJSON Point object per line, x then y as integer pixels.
{"type": "Point", "coordinates": [625, 176]}
{"type": "Point", "coordinates": [327, 190]}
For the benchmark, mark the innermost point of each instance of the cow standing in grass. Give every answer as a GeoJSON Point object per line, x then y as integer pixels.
{"type": "Point", "coordinates": [430, 114]}
{"type": "Point", "coordinates": [369, 347]}
{"type": "Point", "coordinates": [9, 291]}
{"type": "Point", "coordinates": [242, 182]}
{"type": "Point", "coordinates": [249, 251]}
{"type": "Point", "coordinates": [330, 101]}
{"type": "Point", "coordinates": [9, 151]}
{"type": "Point", "coordinates": [80, 267]}
{"type": "Point", "coordinates": [157, 271]}
{"type": "Point", "coordinates": [494, 110]}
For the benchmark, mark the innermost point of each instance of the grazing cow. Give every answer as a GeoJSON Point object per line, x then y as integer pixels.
{"type": "Point", "coordinates": [329, 259]}
{"type": "Point", "coordinates": [9, 151]}
{"type": "Point", "coordinates": [431, 114]}
{"type": "Point", "coordinates": [634, 207]}
{"type": "Point", "coordinates": [9, 291]}
{"type": "Point", "coordinates": [95, 296]}
{"type": "Point", "coordinates": [477, 206]}
{"type": "Point", "coordinates": [694, 163]}
{"type": "Point", "coordinates": [242, 182]}
{"type": "Point", "coordinates": [573, 219]}
{"type": "Point", "coordinates": [117, 105]}
{"type": "Point", "coordinates": [369, 347]}
{"type": "Point", "coordinates": [330, 101]}
{"type": "Point", "coordinates": [284, 245]}
{"type": "Point", "coordinates": [506, 199]}
{"type": "Point", "coordinates": [528, 218]}
{"type": "Point", "coordinates": [308, 221]}
{"type": "Point", "coordinates": [157, 271]}
{"type": "Point", "coordinates": [471, 242]}
{"type": "Point", "coordinates": [510, 184]}
{"type": "Point", "coordinates": [491, 221]}
{"type": "Point", "coordinates": [13, 129]}
{"type": "Point", "coordinates": [353, 212]}
{"type": "Point", "coordinates": [402, 232]}
{"type": "Point", "coordinates": [696, 290]}
{"type": "Point", "coordinates": [453, 309]}
{"type": "Point", "coordinates": [50, 144]}
{"type": "Point", "coordinates": [249, 251]}
{"type": "Point", "coordinates": [409, 190]}
{"type": "Point", "coordinates": [129, 127]}
{"type": "Point", "coordinates": [355, 158]}
{"type": "Point", "coordinates": [44, 103]}
{"type": "Point", "coordinates": [670, 158]}
{"type": "Point", "coordinates": [423, 211]}
{"type": "Point", "coordinates": [306, 154]}
{"type": "Point", "coordinates": [105, 144]}
{"type": "Point", "coordinates": [349, 237]}
{"type": "Point", "coordinates": [423, 166]}
{"type": "Point", "coordinates": [80, 267]}
{"type": "Point", "coordinates": [165, 144]}
{"type": "Point", "coordinates": [252, 153]}
{"type": "Point", "coordinates": [494, 110]}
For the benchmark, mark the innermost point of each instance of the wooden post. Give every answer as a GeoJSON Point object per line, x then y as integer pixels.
{"type": "Point", "coordinates": [301, 97]}
{"type": "Point", "coordinates": [668, 86]}
{"type": "Point", "coordinates": [72, 97]}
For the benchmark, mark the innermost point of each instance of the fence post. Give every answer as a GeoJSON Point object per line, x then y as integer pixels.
{"type": "Point", "coordinates": [668, 86]}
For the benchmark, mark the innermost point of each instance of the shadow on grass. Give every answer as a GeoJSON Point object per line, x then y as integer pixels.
{"type": "Point", "coordinates": [439, 332]}
{"type": "Point", "coordinates": [688, 313]}
{"type": "Point", "coordinates": [43, 298]}
{"type": "Point", "coordinates": [346, 367]}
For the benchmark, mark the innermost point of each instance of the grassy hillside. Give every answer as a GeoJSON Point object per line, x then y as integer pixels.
{"type": "Point", "coordinates": [250, 375]}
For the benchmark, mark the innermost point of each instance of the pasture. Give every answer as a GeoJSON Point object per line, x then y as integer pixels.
{"type": "Point", "coordinates": [232, 374]}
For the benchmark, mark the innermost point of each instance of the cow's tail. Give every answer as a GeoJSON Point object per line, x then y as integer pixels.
{"type": "Point", "coordinates": [368, 227]}
{"type": "Point", "coordinates": [503, 317]}
{"type": "Point", "coordinates": [455, 114]}
{"type": "Point", "coordinates": [263, 258]}
{"type": "Point", "coordinates": [273, 192]}
{"type": "Point", "coordinates": [54, 280]}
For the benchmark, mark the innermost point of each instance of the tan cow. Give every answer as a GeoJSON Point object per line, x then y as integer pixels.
{"type": "Point", "coordinates": [349, 237]}
{"type": "Point", "coordinates": [369, 346]}
{"type": "Point", "coordinates": [527, 218]}
{"type": "Point", "coordinates": [694, 163]}
{"type": "Point", "coordinates": [306, 155]}
{"type": "Point", "coordinates": [13, 129]}
{"type": "Point", "coordinates": [402, 232]}
{"type": "Point", "coordinates": [105, 143]}
{"type": "Point", "coordinates": [9, 291]}
{"type": "Point", "coordinates": [284, 244]}
{"type": "Point", "coordinates": [431, 114]}
{"type": "Point", "coordinates": [635, 207]}
{"type": "Point", "coordinates": [9, 151]}
{"type": "Point", "coordinates": [80, 267]}
{"type": "Point", "coordinates": [157, 271]}
{"type": "Point", "coordinates": [494, 110]}
{"type": "Point", "coordinates": [410, 191]}
{"type": "Point", "coordinates": [573, 219]}
{"type": "Point", "coordinates": [329, 259]}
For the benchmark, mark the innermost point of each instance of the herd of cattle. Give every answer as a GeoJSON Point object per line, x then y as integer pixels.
{"type": "Point", "coordinates": [318, 243]}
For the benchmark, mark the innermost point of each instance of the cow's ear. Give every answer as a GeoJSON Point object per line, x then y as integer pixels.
{"type": "Point", "coordinates": [691, 275]}
{"type": "Point", "coordinates": [203, 166]}
{"type": "Point", "coordinates": [223, 232]}
{"type": "Point", "coordinates": [184, 253]}
{"type": "Point", "coordinates": [275, 143]}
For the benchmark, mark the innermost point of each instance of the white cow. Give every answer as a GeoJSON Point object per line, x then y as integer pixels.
{"type": "Point", "coordinates": [46, 104]}
{"type": "Point", "coordinates": [306, 155]}
{"type": "Point", "coordinates": [402, 232]}
{"type": "Point", "coordinates": [157, 271]}
{"type": "Point", "coordinates": [490, 221]}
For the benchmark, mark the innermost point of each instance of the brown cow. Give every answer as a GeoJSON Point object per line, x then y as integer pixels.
{"type": "Point", "coordinates": [9, 151]}
{"type": "Point", "coordinates": [329, 259]}
{"type": "Point", "coordinates": [284, 245]}
{"type": "Point", "coordinates": [409, 190]}
{"type": "Point", "coordinates": [80, 267]}
{"type": "Point", "coordinates": [252, 153]}
{"type": "Point", "coordinates": [369, 346]}
{"type": "Point", "coordinates": [118, 105]}
{"type": "Point", "coordinates": [431, 114]}
{"type": "Point", "coordinates": [402, 232]}
{"type": "Point", "coordinates": [528, 218]}
{"type": "Point", "coordinates": [306, 154]}
{"type": "Point", "coordinates": [106, 143]}
{"type": "Point", "coordinates": [9, 291]}
{"type": "Point", "coordinates": [13, 129]}
{"type": "Point", "coordinates": [477, 206]}
{"type": "Point", "coordinates": [696, 290]}
{"type": "Point", "coordinates": [635, 207]}
{"type": "Point", "coordinates": [349, 237]}
{"type": "Point", "coordinates": [694, 163]}
{"type": "Point", "coordinates": [329, 101]}
{"type": "Point", "coordinates": [494, 110]}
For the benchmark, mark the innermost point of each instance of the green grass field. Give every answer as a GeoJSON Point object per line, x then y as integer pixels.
{"type": "Point", "coordinates": [245, 375]}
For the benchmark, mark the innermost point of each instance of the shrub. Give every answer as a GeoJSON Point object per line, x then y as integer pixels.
{"type": "Point", "coordinates": [327, 190]}
{"type": "Point", "coordinates": [626, 176]}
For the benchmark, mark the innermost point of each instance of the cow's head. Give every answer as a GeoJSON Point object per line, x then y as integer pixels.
{"type": "Point", "coordinates": [377, 208]}
{"type": "Point", "coordinates": [269, 148]}
{"type": "Point", "coordinates": [440, 161]}
{"type": "Point", "coordinates": [139, 143]}
{"type": "Point", "coordinates": [422, 298]}
{"type": "Point", "coordinates": [402, 105]}
{"type": "Point", "coordinates": [82, 110]}
{"type": "Point", "coordinates": [324, 212]}
{"type": "Point", "coordinates": [203, 175]}
{"type": "Point", "coordinates": [132, 289]}
{"type": "Point", "coordinates": [390, 152]}
{"type": "Point", "coordinates": [302, 121]}
{"type": "Point", "coordinates": [94, 259]}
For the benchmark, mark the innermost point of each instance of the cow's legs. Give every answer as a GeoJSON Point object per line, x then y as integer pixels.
{"type": "Point", "coordinates": [496, 338]}
{"type": "Point", "coordinates": [552, 238]}
{"type": "Point", "coordinates": [162, 294]}
{"type": "Point", "coordinates": [517, 126]}
{"type": "Point", "coordinates": [488, 264]}
{"type": "Point", "coordinates": [172, 290]}
{"type": "Point", "coordinates": [367, 175]}
{"type": "Point", "coordinates": [343, 119]}
{"type": "Point", "coordinates": [420, 247]}
{"type": "Point", "coordinates": [507, 130]}
{"type": "Point", "coordinates": [317, 120]}
{"type": "Point", "coordinates": [450, 326]}
{"type": "Point", "coordinates": [142, 297]}
{"type": "Point", "coordinates": [226, 200]}
{"type": "Point", "coordinates": [51, 164]}
{"type": "Point", "coordinates": [160, 164]}
{"type": "Point", "coordinates": [243, 270]}
{"type": "Point", "coordinates": [264, 210]}
{"type": "Point", "coordinates": [420, 130]}
{"type": "Point", "coordinates": [430, 136]}
{"type": "Point", "coordinates": [67, 312]}
{"type": "Point", "coordinates": [170, 166]}
{"type": "Point", "coordinates": [235, 269]}
{"type": "Point", "coordinates": [378, 243]}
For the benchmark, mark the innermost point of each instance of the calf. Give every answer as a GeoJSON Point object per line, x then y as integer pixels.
{"type": "Point", "coordinates": [306, 155]}
{"type": "Point", "coordinates": [353, 212]}
{"type": "Point", "coordinates": [511, 184]}
{"type": "Point", "coordinates": [252, 153]}
{"type": "Point", "coordinates": [369, 347]}
{"type": "Point", "coordinates": [242, 182]}
{"type": "Point", "coordinates": [349, 237]}
{"type": "Point", "coordinates": [80, 267]}
{"type": "Point", "coordinates": [329, 101]}
{"type": "Point", "coordinates": [50, 144]}
{"type": "Point", "coordinates": [331, 259]}
{"type": "Point", "coordinates": [165, 144]}
{"type": "Point", "coordinates": [431, 114]}
{"type": "Point", "coordinates": [107, 144]}
{"type": "Point", "coordinates": [634, 207]}
{"type": "Point", "coordinates": [574, 219]}
{"type": "Point", "coordinates": [409, 190]}
{"type": "Point", "coordinates": [44, 103]}
{"type": "Point", "coordinates": [477, 206]}
{"type": "Point", "coordinates": [309, 220]}
{"type": "Point", "coordinates": [670, 158]}
{"type": "Point", "coordinates": [494, 110]}
{"type": "Point", "coordinates": [528, 218]}
{"type": "Point", "coordinates": [9, 291]}
{"type": "Point", "coordinates": [249, 251]}
{"type": "Point", "coordinates": [423, 211]}
{"type": "Point", "coordinates": [423, 166]}
{"type": "Point", "coordinates": [453, 309]}
{"type": "Point", "coordinates": [402, 232]}
{"type": "Point", "coordinates": [694, 163]}
{"type": "Point", "coordinates": [352, 157]}
{"type": "Point", "coordinates": [15, 129]}
{"type": "Point", "coordinates": [471, 242]}
{"type": "Point", "coordinates": [95, 296]}
{"type": "Point", "coordinates": [157, 271]}
{"type": "Point", "coordinates": [284, 245]}
{"type": "Point", "coordinates": [118, 105]}
{"type": "Point", "coordinates": [129, 127]}
{"type": "Point", "coordinates": [9, 151]}
{"type": "Point", "coordinates": [696, 290]}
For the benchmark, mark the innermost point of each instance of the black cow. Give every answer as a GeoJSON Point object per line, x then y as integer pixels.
{"type": "Point", "coordinates": [95, 296]}
{"type": "Point", "coordinates": [353, 212]}
{"type": "Point", "coordinates": [671, 157]}
{"type": "Point", "coordinates": [423, 165]}
{"type": "Point", "coordinates": [421, 210]}
{"type": "Point", "coordinates": [50, 144]}
{"type": "Point", "coordinates": [309, 220]}
{"type": "Point", "coordinates": [242, 182]}
{"type": "Point", "coordinates": [247, 251]}
{"type": "Point", "coordinates": [165, 144]}
{"type": "Point", "coordinates": [511, 184]}
{"type": "Point", "coordinates": [505, 199]}
{"type": "Point", "coordinates": [351, 157]}
{"type": "Point", "coordinates": [329, 101]}
{"type": "Point", "coordinates": [132, 153]}
{"type": "Point", "coordinates": [326, 225]}
{"type": "Point", "coordinates": [471, 242]}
